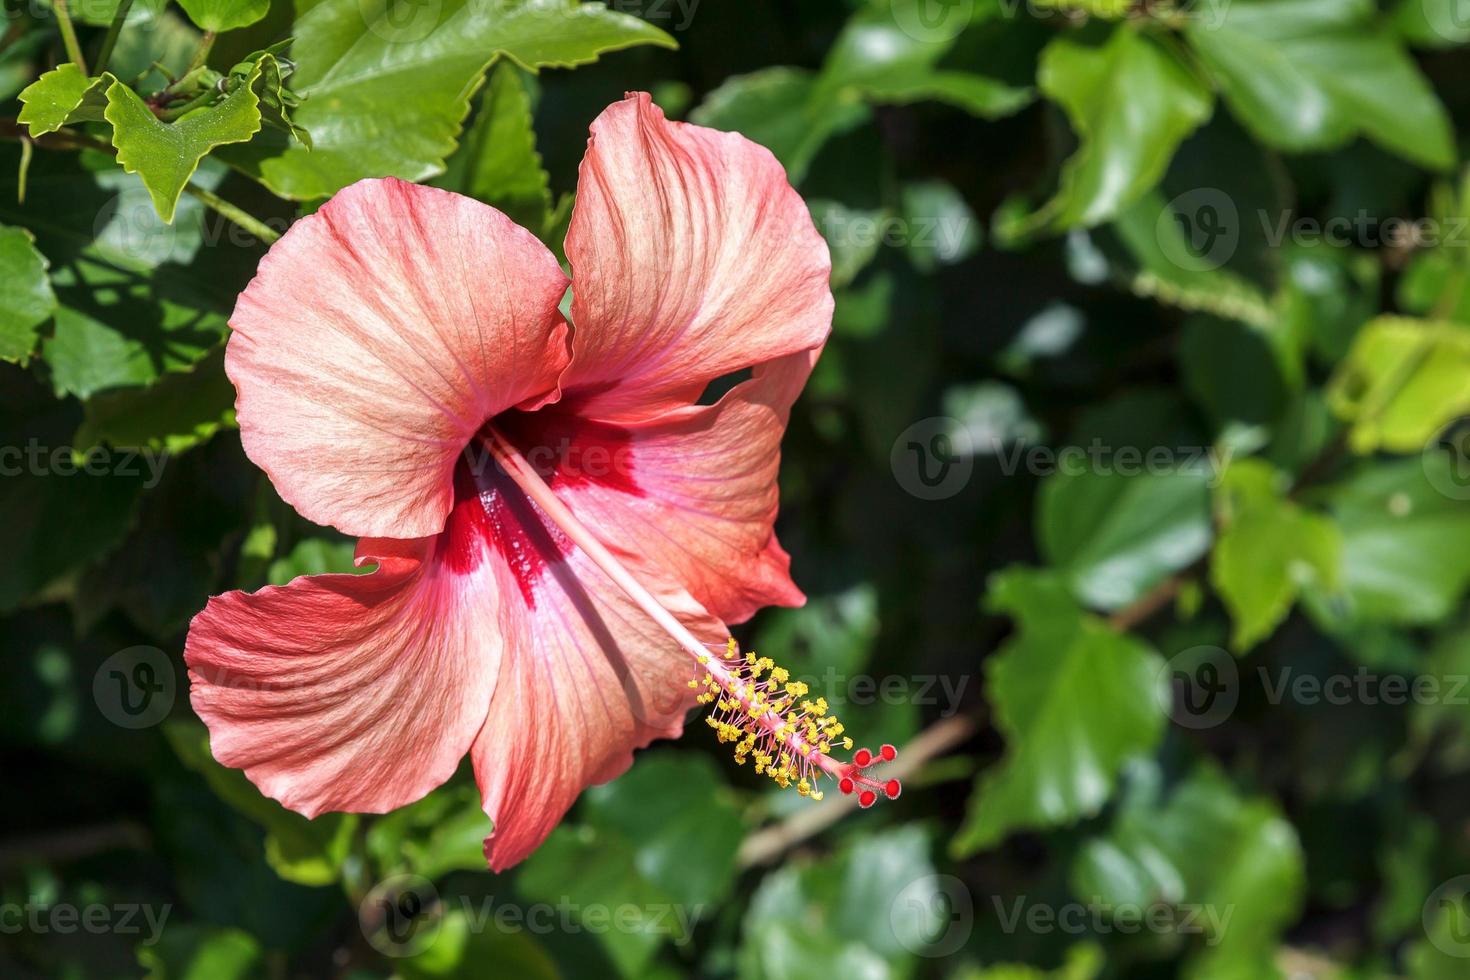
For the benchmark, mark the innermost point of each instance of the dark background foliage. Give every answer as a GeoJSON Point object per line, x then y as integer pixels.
{"type": "Point", "coordinates": [1130, 496]}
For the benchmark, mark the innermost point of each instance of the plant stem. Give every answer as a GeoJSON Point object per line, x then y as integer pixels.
{"type": "Point", "coordinates": [26, 149]}
{"type": "Point", "coordinates": [218, 204]}
{"type": "Point", "coordinates": [201, 54]}
{"type": "Point", "coordinates": [69, 35]}
{"type": "Point", "coordinates": [113, 31]}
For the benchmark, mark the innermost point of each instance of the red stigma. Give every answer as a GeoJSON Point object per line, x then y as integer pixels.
{"type": "Point", "coordinates": [867, 787]}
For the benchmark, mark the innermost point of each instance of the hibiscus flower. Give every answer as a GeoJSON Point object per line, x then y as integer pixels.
{"type": "Point", "coordinates": [560, 530]}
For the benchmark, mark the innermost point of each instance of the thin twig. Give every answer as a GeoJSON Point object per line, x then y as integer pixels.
{"type": "Point", "coordinates": [113, 31]}
{"type": "Point", "coordinates": [74, 844]}
{"type": "Point", "coordinates": [69, 35]}
{"type": "Point", "coordinates": [249, 222]}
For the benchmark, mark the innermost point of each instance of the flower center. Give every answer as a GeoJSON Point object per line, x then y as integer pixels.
{"type": "Point", "coordinates": [491, 514]}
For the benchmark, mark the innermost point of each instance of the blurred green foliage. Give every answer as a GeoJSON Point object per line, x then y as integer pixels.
{"type": "Point", "coordinates": [1132, 493]}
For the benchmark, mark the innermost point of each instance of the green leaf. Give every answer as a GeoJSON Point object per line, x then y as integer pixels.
{"type": "Point", "coordinates": [1433, 23]}
{"type": "Point", "coordinates": [597, 871]}
{"type": "Point", "coordinates": [866, 911]}
{"type": "Point", "coordinates": [682, 820]}
{"type": "Point", "coordinates": [779, 108]}
{"type": "Point", "coordinates": [666, 832]}
{"type": "Point", "coordinates": [1113, 537]}
{"type": "Point", "coordinates": [463, 948]}
{"type": "Point", "coordinates": [876, 59]}
{"type": "Point", "coordinates": [225, 15]}
{"type": "Point", "coordinates": [1184, 268]}
{"type": "Point", "coordinates": [1311, 74]}
{"type": "Point", "coordinates": [177, 412]}
{"type": "Point", "coordinates": [1074, 699]}
{"type": "Point", "coordinates": [315, 556]}
{"type": "Point", "coordinates": [192, 952]}
{"type": "Point", "coordinates": [384, 93]}
{"type": "Point", "coordinates": [1083, 962]}
{"type": "Point", "coordinates": [63, 95]}
{"type": "Point", "coordinates": [277, 102]}
{"type": "Point", "coordinates": [1131, 102]}
{"type": "Point", "coordinates": [940, 229]}
{"type": "Point", "coordinates": [443, 832]}
{"type": "Point", "coordinates": [1215, 355]}
{"type": "Point", "coordinates": [842, 227]}
{"type": "Point", "coordinates": [497, 160]}
{"type": "Point", "coordinates": [307, 852]}
{"type": "Point", "coordinates": [26, 299]}
{"type": "Point", "coordinates": [1270, 549]}
{"type": "Point", "coordinates": [138, 298]}
{"type": "Point", "coordinates": [1405, 542]}
{"type": "Point", "coordinates": [1402, 382]}
{"type": "Point", "coordinates": [166, 155]}
{"type": "Point", "coordinates": [1234, 859]}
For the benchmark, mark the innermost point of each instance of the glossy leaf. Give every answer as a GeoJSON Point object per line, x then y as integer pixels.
{"type": "Point", "coordinates": [385, 90]}
{"type": "Point", "coordinates": [1402, 381]}
{"type": "Point", "coordinates": [1073, 699]}
{"type": "Point", "coordinates": [1270, 548]}
{"type": "Point", "coordinates": [497, 160]}
{"type": "Point", "coordinates": [1309, 75]}
{"type": "Point", "coordinates": [864, 911]}
{"type": "Point", "coordinates": [1232, 861]}
{"type": "Point", "coordinates": [63, 95]}
{"type": "Point", "coordinates": [26, 298]}
{"type": "Point", "coordinates": [779, 108]}
{"type": "Point", "coordinates": [1131, 102]}
{"type": "Point", "coordinates": [176, 413]}
{"type": "Point", "coordinates": [1405, 540]}
{"type": "Point", "coordinates": [1114, 536]}
{"type": "Point", "coordinates": [225, 15]}
{"type": "Point", "coordinates": [166, 155]}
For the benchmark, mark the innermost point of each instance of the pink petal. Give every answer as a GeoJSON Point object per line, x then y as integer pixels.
{"type": "Point", "coordinates": [376, 338]}
{"type": "Point", "coordinates": [588, 678]}
{"type": "Point", "coordinates": [691, 492]}
{"type": "Point", "coordinates": [692, 258]}
{"type": "Point", "coordinates": [347, 692]}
